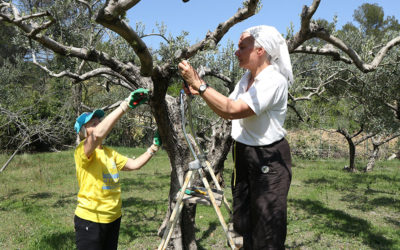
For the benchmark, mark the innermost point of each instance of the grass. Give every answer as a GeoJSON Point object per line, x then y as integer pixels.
{"type": "Point", "coordinates": [328, 208]}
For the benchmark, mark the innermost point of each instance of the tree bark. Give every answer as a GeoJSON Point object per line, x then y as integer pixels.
{"type": "Point", "coordinates": [372, 158]}
{"type": "Point", "coordinates": [77, 94]}
{"type": "Point", "coordinates": [188, 226]}
{"type": "Point", "coordinates": [352, 149]}
{"type": "Point", "coordinates": [377, 142]}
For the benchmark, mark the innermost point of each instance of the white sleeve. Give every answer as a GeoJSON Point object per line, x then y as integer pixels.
{"type": "Point", "coordinates": [265, 94]}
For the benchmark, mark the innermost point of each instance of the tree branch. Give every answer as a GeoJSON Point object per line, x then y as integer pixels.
{"type": "Point", "coordinates": [364, 138]}
{"type": "Point", "coordinates": [319, 90]}
{"type": "Point", "coordinates": [128, 71]}
{"type": "Point", "coordinates": [212, 38]}
{"type": "Point", "coordinates": [322, 51]}
{"type": "Point", "coordinates": [104, 108]}
{"type": "Point", "coordinates": [85, 76]}
{"type": "Point", "coordinates": [296, 111]}
{"type": "Point", "coordinates": [215, 73]}
{"type": "Point", "coordinates": [110, 16]}
{"type": "Point", "coordinates": [305, 32]}
{"type": "Point", "coordinates": [391, 137]}
{"type": "Point", "coordinates": [156, 34]}
{"type": "Point", "coordinates": [310, 30]}
{"type": "Point", "coordinates": [364, 67]}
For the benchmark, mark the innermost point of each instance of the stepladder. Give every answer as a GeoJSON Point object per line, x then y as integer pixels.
{"type": "Point", "coordinates": [189, 193]}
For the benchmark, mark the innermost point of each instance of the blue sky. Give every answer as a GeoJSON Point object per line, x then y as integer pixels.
{"type": "Point", "coordinates": [199, 16]}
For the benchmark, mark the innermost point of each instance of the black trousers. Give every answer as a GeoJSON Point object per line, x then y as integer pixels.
{"type": "Point", "coordinates": [90, 235]}
{"type": "Point", "coordinates": [260, 185]}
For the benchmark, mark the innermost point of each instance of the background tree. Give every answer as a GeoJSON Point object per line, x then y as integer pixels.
{"type": "Point", "coordinates": [354, 103]}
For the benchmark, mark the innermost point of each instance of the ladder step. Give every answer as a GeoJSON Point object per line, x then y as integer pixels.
{"type": "Point", "coordinates": [198, 198]}
{"type": "Point", "coordinates": [205, 200]}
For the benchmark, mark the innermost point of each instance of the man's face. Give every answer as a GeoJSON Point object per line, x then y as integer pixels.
{"type": "Point", "coordinates": [246, 51]}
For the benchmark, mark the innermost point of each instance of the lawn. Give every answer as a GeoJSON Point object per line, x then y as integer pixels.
{"type": "Point", "coordinates": [327, 207]}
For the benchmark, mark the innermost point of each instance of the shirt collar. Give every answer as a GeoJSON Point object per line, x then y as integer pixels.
{"type": "Point", "coordinates": [259, 77]}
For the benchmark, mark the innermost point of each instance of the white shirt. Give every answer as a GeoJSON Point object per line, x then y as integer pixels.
{"type": "Point", "coordinates": [267, 97]}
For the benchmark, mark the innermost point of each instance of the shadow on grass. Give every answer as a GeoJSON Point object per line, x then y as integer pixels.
{"type": "Point", "coordinates": [139, 210]}
{"type": "Point", "coordinates": [57, 240]}
{"type": "Point", "coordinates": [341, 223]}
{"type": "Point", "coordinates": [10, 194]}
{"type": "Point", "coordinates": [202, 241]}
{"type": "Point", "coordinates": [32, 204]}
{"type": "Point", "coordinates": [394, 222]}
{"type": "Point", "coordinates": [304, 243]}
{"type": "Point", "coordinates": [365, 203]}
{"type": "Point", "coordinates": [141, 218]}
{"type": "Point", "coordinates": [387, 202]}
{"type": "Point", "coordinates": [65, 200]}
{"type": "Point", "coordinates": [321, 180]}
{"type": "Point", "coordinates": [41, 195]}
{"type": "Point", "coordinates": [146, 182]}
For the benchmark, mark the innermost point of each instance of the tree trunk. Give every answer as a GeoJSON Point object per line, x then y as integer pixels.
{"type": "Point", "coordinates": [352, 155]}
{"type": "Point", "coordinates": [179, 156]}
{"type": "Point", "coordinates": [372, 158]}
{"type": "Point", "coordinates": [377, 141]}
{"type": "Point", "coordinates": [169, 122]}
{"type": "Point", "coordinates": [188, 226]}
{"type": "Point", "coordinates": [352, 150]}
{"type": "Point", "coordinates": [77, 94]}
{"type": "Point", "coordinates": [220, 146]}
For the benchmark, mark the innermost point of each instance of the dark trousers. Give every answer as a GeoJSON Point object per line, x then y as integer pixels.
{"type": "Point", "coordinates": [260, 185]}
{"type": "Point", "coordinates": [95, 236]}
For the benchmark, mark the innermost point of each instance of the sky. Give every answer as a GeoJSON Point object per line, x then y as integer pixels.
{"type": "Point", "coordinates": [199, 16]}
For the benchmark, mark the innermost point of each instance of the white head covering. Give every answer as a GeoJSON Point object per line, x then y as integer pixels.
{"type": "Point", "coordinates": [275, 45]}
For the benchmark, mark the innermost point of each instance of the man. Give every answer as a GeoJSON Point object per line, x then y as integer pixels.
{"type": "Point", "coordinates": [98, 213]}
{"type": "Point", "coordinates": [257, 108]}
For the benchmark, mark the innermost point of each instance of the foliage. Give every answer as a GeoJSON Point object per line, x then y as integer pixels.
{"type": "Point", "coordinates": [34, 111]}
{"type": "Point", "coordinates": [344, 97]}
{"type": "Point", "coordinates": [371, 18]}
{"type": "Point", "coordinates": [8, 51]}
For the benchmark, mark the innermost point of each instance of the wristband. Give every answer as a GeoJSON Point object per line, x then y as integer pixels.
{"type": "Point", "coordinates": [124, 106]}
{"type": "Point", "coordinates": [150, 151]}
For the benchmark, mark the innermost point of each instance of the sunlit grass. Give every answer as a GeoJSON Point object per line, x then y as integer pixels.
{"type": "Point", "coordinates": [327, 207]}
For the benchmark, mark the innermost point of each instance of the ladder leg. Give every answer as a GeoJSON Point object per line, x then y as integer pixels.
{"type": "Point", "coordinates": [167, 235]}
{"type": "Point", "coordinates": [216, 208]}
{"type": "Point", "coordinates": [211, 171]}
{"type": "Point", "coordinates": [175, 213]}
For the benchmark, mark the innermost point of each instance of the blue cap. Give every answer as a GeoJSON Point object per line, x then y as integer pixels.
{"type": "Point", "coordinates": [85, 117]}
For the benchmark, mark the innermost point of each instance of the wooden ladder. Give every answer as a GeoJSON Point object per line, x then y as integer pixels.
{"type": "Point", "coordinates": [209, 197]}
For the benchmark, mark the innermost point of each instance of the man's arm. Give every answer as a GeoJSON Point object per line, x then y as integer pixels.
{"type": "Point", "coordinates": [220, 104]}
{"type": "Point", "coordinates": [225, 107]}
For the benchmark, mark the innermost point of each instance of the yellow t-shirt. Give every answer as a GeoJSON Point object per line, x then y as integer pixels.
{"type": "Point", "coordinates": [99, 197]}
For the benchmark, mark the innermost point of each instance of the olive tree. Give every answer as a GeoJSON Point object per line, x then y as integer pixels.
{"type": "Point", "coordinates": [359, 105]}
{"type": "Point", "coordinates": [133, 66]}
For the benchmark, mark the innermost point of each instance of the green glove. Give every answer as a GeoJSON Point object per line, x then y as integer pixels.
{"type": "Point", "coordinates": [137, 97]}
{"type": "Point", "coordinates": [157, 139]}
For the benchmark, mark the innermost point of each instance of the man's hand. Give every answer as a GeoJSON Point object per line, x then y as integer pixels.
{"type": "Point", "coordinates": [137, 97]}
{"type": "Point", "coordinates": [191, 78]}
